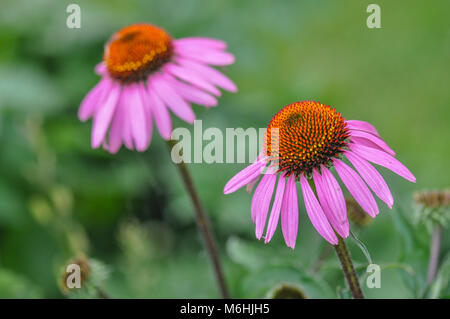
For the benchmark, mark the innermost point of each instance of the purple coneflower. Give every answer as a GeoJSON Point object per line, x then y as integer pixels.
{"type": "Point", "coordinates": [145, 73]}
{"type": "Point", "coordinates": [310, 140]}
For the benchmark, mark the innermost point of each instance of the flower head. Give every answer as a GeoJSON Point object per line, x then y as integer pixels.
{"type": "Point", "coordinates": [303, 142]}
{"type": "Point", "coordinates": [145, 73]}
{"type": "Point", "coordinates": [433, 207]}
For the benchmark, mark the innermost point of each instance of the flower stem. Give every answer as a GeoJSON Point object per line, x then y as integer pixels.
{"type": "Point", "coordinates": [204, 225]}
{"type": "Point", "coordinates": [348, 269]}
{"type": "Point", "coordinates": [101, 293]}
{"type": "Point", "coordinates": [434, 253]}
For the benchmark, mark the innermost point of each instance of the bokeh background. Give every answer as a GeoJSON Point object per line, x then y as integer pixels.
{"type": "Point", "coordinates": [129, 213]}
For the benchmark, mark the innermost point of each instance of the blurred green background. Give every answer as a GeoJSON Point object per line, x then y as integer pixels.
{"type": "Point", "coordinates": [129, 212]}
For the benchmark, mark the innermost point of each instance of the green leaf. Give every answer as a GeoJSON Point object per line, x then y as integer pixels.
{"type": "Point", "coordinates": [257, 255]}
{"type": "Point", "coordinates": [15, 286]}
{"type": "Point", "coordinates": [440, 286]}
{"type": "Point", "coordinates": [414, 251]}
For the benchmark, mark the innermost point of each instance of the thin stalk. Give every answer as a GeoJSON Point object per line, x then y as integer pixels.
{"type": "Point", "coordinates": [434, 253]}
{"type": "Point", "coordinates": [101, 293]}
{"type": "Point", "coordinates": [203, 225]}
{"type": "Point", "coordinates": [348, 269]}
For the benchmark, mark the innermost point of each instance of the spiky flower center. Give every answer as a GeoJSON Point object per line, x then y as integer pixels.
{"type": "Point", "coordinates": [137, 50]}
{"type": "Point", "coordinates": [433, 199]}
{"type": "Point", "coordinates": [305, 135]}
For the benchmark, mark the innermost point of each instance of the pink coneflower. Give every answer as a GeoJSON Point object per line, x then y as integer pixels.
{"type": "Point", "coordinates": [310, 140]}
{"type": "Point", "coordinates": [145, 73]}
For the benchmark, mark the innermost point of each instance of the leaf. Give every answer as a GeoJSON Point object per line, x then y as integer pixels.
{"type": "Point", "coordinates": [440, 286]}
{"type": "Point", "coordinates": [414, 251]}
{"type": "Point", "coordinates": [255, 255]}
{"type": "Point", "coordinates": [15, 286]}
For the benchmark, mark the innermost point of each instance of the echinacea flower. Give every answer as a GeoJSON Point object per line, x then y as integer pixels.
{"type": "Point", "coordinates": [145, 73]}
{"type": "Point", "coordinates": [303, 142]}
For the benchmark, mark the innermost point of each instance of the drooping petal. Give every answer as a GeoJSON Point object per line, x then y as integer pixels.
{"type": "Point", "coordinates": [210, 74]}
{"type": "Point", "coordinates": [365, 142]}
{"type": "Point", "coordinates": [191, 77]}
{"type": "Point", "coordinates": [127, 136]}
{"type": "Point", "coordinates": [205, 55]}
{"type": "Point", "coordinates": [147, 110]}
{"type": "Point", "coordinates": [383, 159]}
{"type": "Point", "coordinates": [289, 213]}
{"type": "Point", "coordinates": [340, 224]}
{"type": "Point", "coordinates": [137, 116]}
{"type": "Point", "coordinates": [104, 114]}
{"type": "Point", "coordinates": [161, 114]}
{"type": "Point", "coordinates": [335, 196]}
{"type": "Point", "coordinates": [371, 138]}
{"type": "Point", "coordinates": [244, 177]}
{"type": "Point", "coordinates": [94, 99]}
{"type": "Point", "coordinates": [362, 126]}
{"type": "Point", "coordinates": [115, 132]}
{"type": "Point", "coordinates": [276, 209]}
{"type": "Point", "coordinates": [194, 42]}
{"type": "Point", "coordinates": [261, 202]}
{"type": "Point", "coordinates": [170, 97]}
{"type": "Point", "coordinates": [316, 214]}
{"type": "Point", "coordinates": [372, 177]}
{"type": "Point", "coordinates": [191, 93]}
{"type": "Point", "coordinates": [356, 187]}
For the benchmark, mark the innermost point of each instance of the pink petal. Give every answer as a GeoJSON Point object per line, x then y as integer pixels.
{"type": "Point", "coordinates": [94, 99]}
{"type": "Point", "coordinates": [191, 93]}
{"type": "Point", "coordinates": [137, 116]}
{"type": "Point", "coordinates": [249, 187]}
{"type": "Point", "coordinates": [204, 55]}
{"type": "Point", "coordinates": [200, 42]}
{"type": "Point", "coordinates": [356, 187]}
{"type": "Point", "coordinates": [363, 141]}
{"type": "Point", "coordinates": [335, 197]}
{"type": "Point", "coordinates": [261, 202]}
{"type": "Point", "coordinates": [383, 159]}
{"type": "Point", "coordinates": [103, 116]}
{"type": "Point", "coordinates": [170, 97]}
{"type": "Point", "coordinates": [210, 74]}
{"type": "Point", "coordinates": [147, 110]}
{"type": "Point", "coordinates": [371, 138]}
{"type": "Point", "coordinates": [127, 136]}
{"type": "Point", "coordinates": [362, 126]}
{"type": "Point", "coordinates": [331, 207]}
{"type": "Point", "coordinates": [372, 177]}
{"type": "Point", "coordinates": [289, 213]}
{"type": "Point", "coordinates": [244, 177]}
{"type": "Point", "coordinates": [316, 214]}
{"type": "Point", "coordinates": [115, 132]}
{"type": "Point", "coordinates": [276, 209]}
{"type": "Point", "coordinates": [101, 69]}
{"type": "Point", "coordinates": [161, 114]}
{"type": "Point", "coordinates": [191, 77]}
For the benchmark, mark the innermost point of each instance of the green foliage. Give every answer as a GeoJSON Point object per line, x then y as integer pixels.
{"type": "Point", "coordinates": [15, 286]}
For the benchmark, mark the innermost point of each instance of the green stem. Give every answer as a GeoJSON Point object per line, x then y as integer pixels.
{"type": "Point", "coordinates": [101, 293]}
{"type": "Point", "coordinates": [204, 225]}
{"type": "Point", "coordinates": [435, 248]}
{"type": "Point", "coordinates": [348, 269]}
